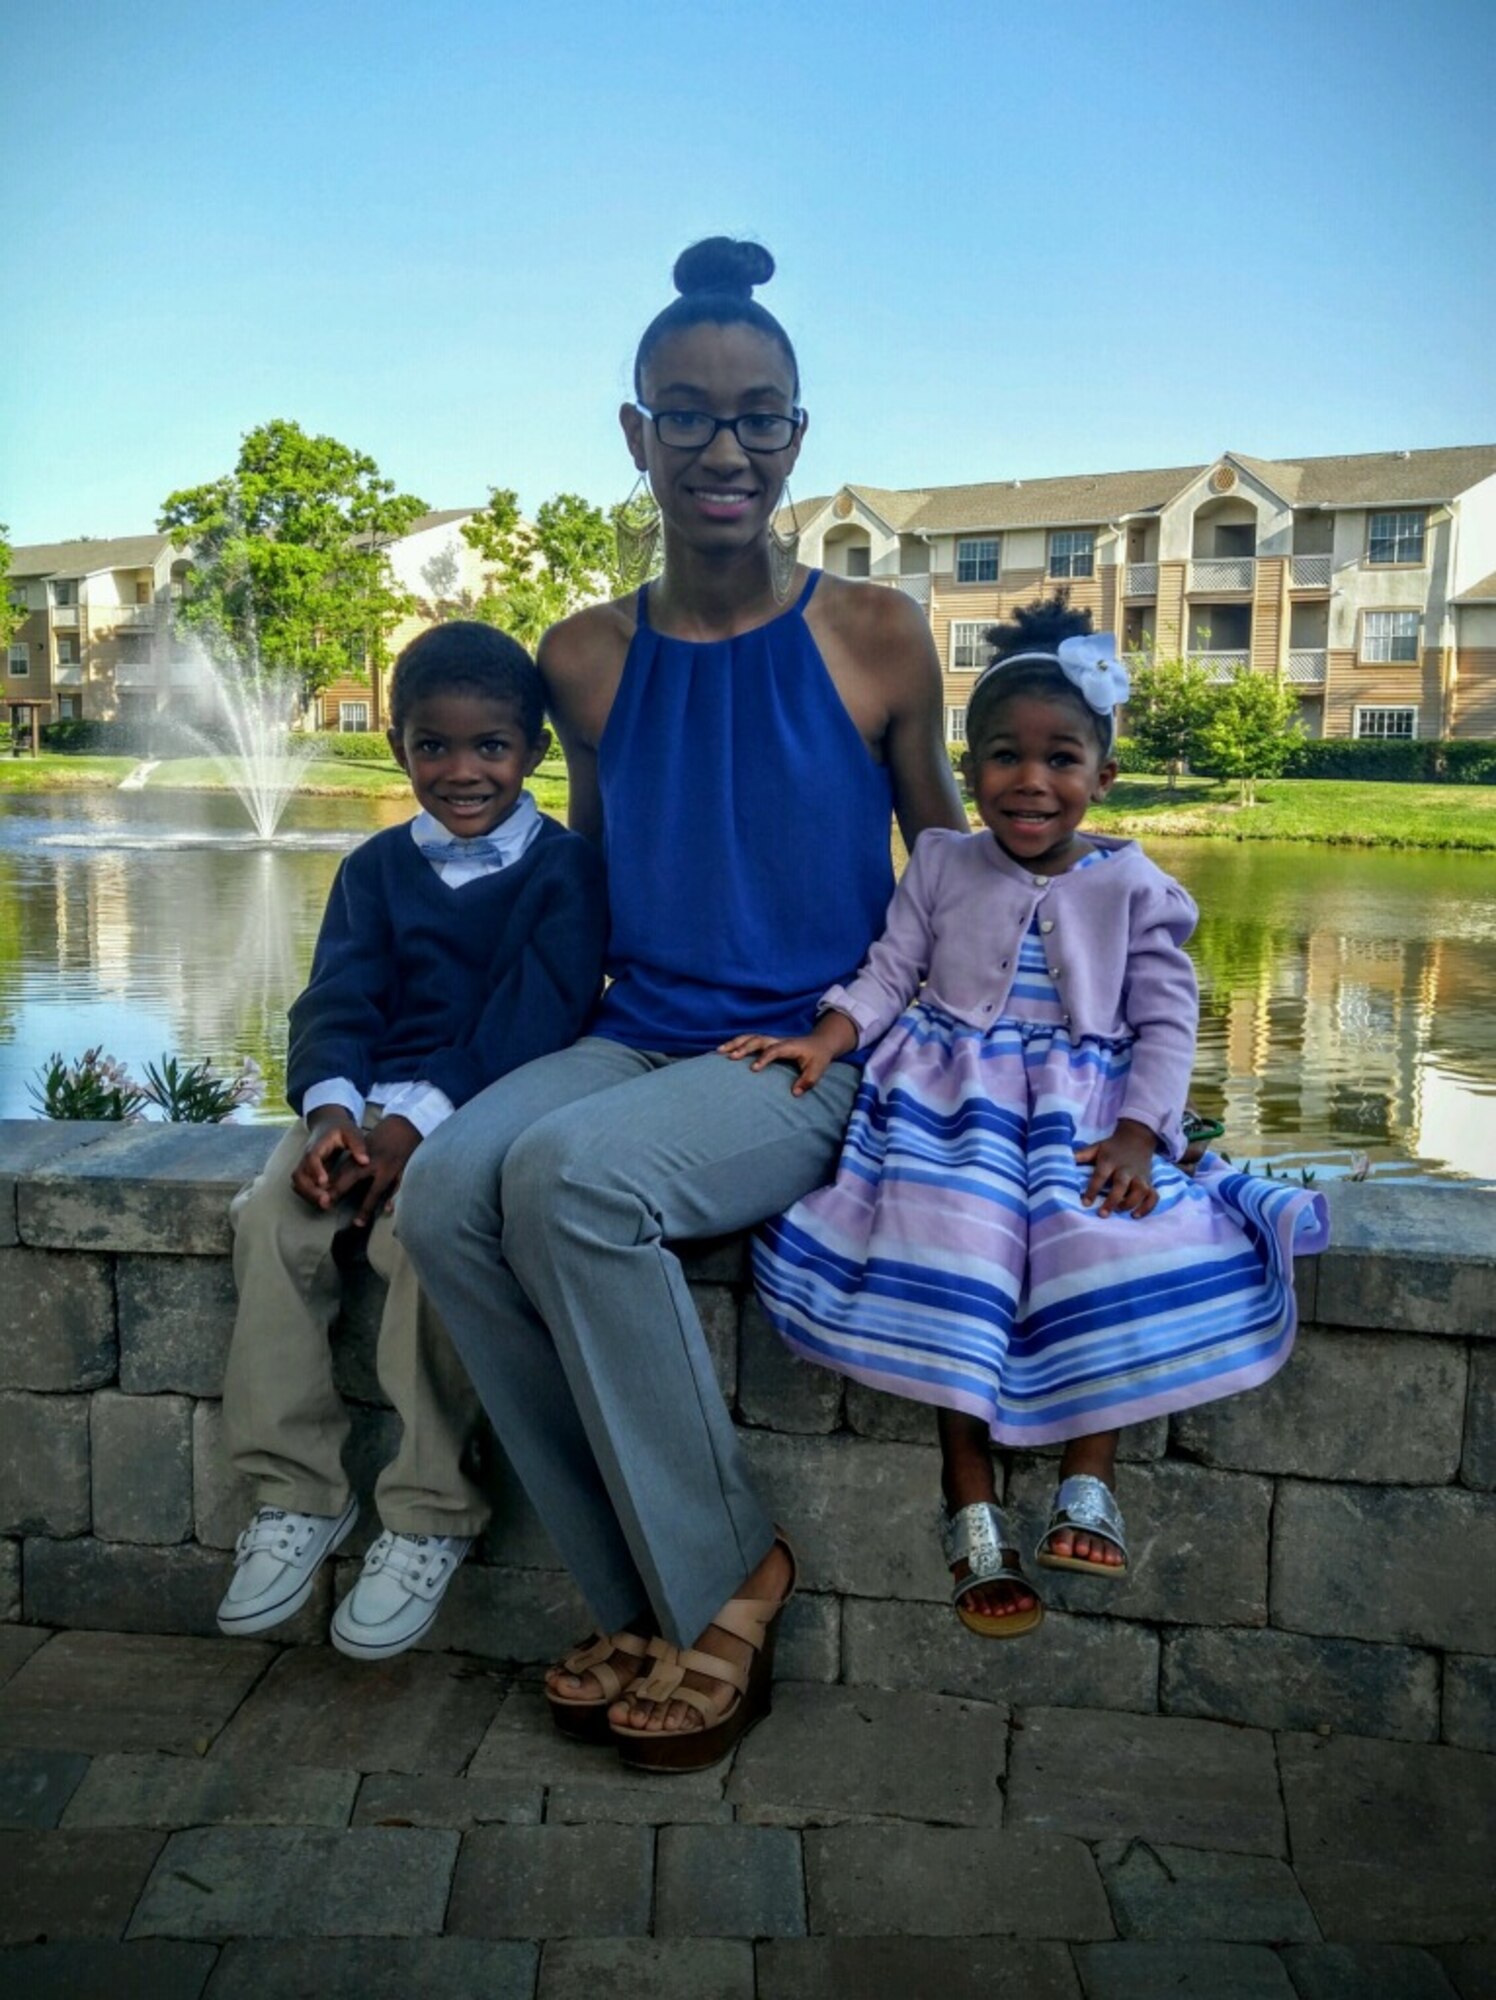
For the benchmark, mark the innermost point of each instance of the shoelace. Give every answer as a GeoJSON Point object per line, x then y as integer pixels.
{"type": "Point", "coordinates": [417, 1560]}
{"type": "Point", "coordinates": [276, 1530]}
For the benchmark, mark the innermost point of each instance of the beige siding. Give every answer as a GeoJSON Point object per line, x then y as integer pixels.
{"type": "Point", "coordinates": [1475, 707]}
{"type": "Point", "coordinates": [1269, 614]}
{"type": "Point", "coordinates": [1168, 617]}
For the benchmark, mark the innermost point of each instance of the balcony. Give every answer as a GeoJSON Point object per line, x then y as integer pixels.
{"type": "Point", "coordinates": [1213, 573]}
{"type": "Point", "coordinates": [1141, 580]}
{"type": "Point", "coordinates": [65, 617]}
{"type": "Point", "coordinates": [68, 674]}
{"type": "Point", "coordinates": [135, 674]}
{"type": "Point", "coordinates": [1221, 666]}
{"type": "Point", "coordinates": [132, 618]}
{"type": "Point", "coordinates": [1306, 666]}
{"type": "Point", "coordinates": [1312, 572]}
{"type": "Point", "coordinates": [915, 586]}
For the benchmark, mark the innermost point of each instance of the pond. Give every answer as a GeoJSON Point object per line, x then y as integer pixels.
{"type": "Point", "coordinates": [1349, 995]}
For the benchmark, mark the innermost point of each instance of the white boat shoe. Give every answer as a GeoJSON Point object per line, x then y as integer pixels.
{"type": "Point", "coordinates": [398, 1595]}
{"type": "Point", "coordinates": [276, 1561]}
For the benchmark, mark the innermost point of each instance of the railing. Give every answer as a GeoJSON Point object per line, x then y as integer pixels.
{"type": "Point", "coordinates": [1223, 573]}
{"type": "Point", "coordinates": [135, 674]}
{"type": "Point", "coordinates": [1221, 666]}
{"type": "Point", "coordinates": [1306, 666]}
{"type": "Point", "coordinates": [134, 617]}
{"type": "Point", "coordinates": [1142, 580]}
{"type": "Point", "coordinates": [915, 586]}
{"type": "Point", "coordinates": [65, 615]}
{"type": "Point", "coordinates": [1312, 572]}
{"type": "Point", "coordinates": [68, 674]}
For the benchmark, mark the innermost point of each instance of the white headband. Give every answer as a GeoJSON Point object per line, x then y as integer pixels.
{"type": "Point", "coordinates": [1088, 661]}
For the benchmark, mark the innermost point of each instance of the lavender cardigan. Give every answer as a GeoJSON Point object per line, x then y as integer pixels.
{"type": "Point", "coordinates": [1115, 938]}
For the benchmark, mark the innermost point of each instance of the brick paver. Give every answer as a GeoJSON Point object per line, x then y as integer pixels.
{"type": "Point", "coordinates": [209, 1820]}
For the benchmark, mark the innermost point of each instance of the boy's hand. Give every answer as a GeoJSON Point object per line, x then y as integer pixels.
{"type": "Point", "coordinates": [332, 1129]}
{"type": "Point", "coordinates": [390, 1144]}
{"type": "Point", "coordinates": [1122, 1170]}
{"type": "Point", "coordinates": [833, 1035]}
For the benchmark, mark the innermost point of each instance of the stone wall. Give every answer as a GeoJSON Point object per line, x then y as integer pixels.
{"type": "Point", "coordinates": [1318, 1555]}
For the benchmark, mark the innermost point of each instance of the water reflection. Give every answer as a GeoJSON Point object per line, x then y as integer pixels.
{"type": "Point", "coordinates": [1349, 998]}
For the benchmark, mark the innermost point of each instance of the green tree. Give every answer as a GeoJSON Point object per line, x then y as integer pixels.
{"type": "Point", "coordinates": [538, 573]}
{"type": "Point", "coordinates": [1167, 710]}
{"type": "Point", "coordinates": [11, 613]}
{"type": "Point", "coordinates": [1252, 729]}
{"type": "Point", "coordinates": [290, 571]}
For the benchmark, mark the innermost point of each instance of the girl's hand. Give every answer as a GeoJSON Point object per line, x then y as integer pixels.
{"type": "Point", "coordinates": [331, 1130]}
{"type": "Point", "coordinates": [833, 1035]}
{"type": "Point", "coordinates": [1122, 1170]}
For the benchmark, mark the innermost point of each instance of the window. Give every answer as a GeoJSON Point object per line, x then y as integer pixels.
{"type": "Point", "coordinates": [19, 601]}
{"type": "Point", "coordinates": [20, 661]}
{"type": "Point", "coordinates": [1072, 552]}
{"type": "Point", "coordinates": [64, 593]}
{"type": "Point", "coordinates": [353, 715]}
{"type": "Point", "coordinates": [1386, 725]}
{"type": "Point", "coordinates": [70, 708]}
{"type": "Point", "coordinates": [976, 561]}
{"type": "Point", "coordinates": [859, 561]}
{"type": "Point", "coordinates": [970, 651]}
{"type": "Point", "coordinates": [142, 590]}
{"type": "Point", "coordinates": [1390, 637]}
{"type": "Point", "coordinates": [67, 651]}
{"type": "Point", "coordinates": [955, 725]}
{"type": "Point", "coordinates": [1395, 538]}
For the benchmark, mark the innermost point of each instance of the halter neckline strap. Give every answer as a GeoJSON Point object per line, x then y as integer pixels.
{"type": "Point", "coordinates": [813, 577]}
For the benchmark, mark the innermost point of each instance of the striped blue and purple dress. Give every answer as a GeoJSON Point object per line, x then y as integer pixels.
{"type": "Point", "coordinates": [951, 1259]}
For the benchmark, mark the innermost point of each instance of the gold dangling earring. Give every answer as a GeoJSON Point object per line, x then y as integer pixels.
{"type": "Point", "coordinates": [636, 535]}
{"type": "Point", "coordinates": [784, 550]}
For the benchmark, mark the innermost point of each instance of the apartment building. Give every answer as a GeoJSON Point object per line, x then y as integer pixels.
{"type": "Point", "coordinates": [95, 638]}
{"type": "Point", "coordinates": [1368, 583]}
{"type": "Point", "coordinates": [439, 569]}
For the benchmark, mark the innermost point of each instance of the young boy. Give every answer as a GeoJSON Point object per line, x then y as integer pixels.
{"type": "Point", "coordinates": [453, 949]}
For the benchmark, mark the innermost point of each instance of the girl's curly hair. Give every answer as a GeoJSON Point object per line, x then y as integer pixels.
{"type": "Point", "coordinates": [1035, 628]}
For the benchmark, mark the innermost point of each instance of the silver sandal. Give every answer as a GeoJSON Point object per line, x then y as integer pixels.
{"type": "Point", "coordinates": [978, 1536]}
{"type": "Point", "coordinates": [1089, 1507]}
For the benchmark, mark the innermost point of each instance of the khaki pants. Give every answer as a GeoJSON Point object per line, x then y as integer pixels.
{"type": "Point", "coordinates": [284, 1421]}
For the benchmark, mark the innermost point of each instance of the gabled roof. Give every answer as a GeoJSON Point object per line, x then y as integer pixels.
{"type": "Point", "coordinates": [1085, 499]}
{"type": "Point", "coordinates": [1483, 592]}
{"type": "Point", "coordinates": [1378, 478]}
{"type": "Point", "coordinates": [439, 519]}
{"type": "Point", "coordinates": [86, 558]}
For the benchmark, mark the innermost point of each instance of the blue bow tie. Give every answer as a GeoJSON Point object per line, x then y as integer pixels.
{"type": "Point", "coordinates": [481, 848]}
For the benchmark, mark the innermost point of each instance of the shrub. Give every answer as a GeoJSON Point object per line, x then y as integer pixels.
{"type": "Point", "coordinates": [87, 737]}
{"type": "Point", "coordinates": [1420, 763]}
{"type": "Point", "coordinates": [354, 746]}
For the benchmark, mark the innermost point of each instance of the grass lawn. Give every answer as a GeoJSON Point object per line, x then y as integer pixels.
{"type": "Point", "coordinates": [1338, 811]}
{"type": "Point", "coordinates": [333, 777]}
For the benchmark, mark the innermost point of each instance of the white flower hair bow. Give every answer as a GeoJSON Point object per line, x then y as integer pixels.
{"type": "Point", "coordinates": [1089, 662]}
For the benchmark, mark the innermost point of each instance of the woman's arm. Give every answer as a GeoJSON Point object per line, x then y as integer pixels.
{"type": "Point", "coordinates": [880, 653]}
{"type": "Point", "coordinates": [581, 662]}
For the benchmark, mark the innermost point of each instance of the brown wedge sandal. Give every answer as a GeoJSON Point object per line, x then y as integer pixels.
{"type": "Point", "coordinates": [756, 1622]}
{"type": "Point", "coordinates": [586, 1715]}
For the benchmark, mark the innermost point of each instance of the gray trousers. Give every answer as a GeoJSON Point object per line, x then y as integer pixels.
{"type": "Point", "coordinates": [537, 1219]}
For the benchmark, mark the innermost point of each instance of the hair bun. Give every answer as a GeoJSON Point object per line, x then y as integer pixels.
{"type": "Point", "coordinates": [723, 265]}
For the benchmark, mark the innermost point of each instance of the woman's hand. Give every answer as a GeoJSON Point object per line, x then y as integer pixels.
{"type": "Point", "coordinates": [1122, 1170]}
{"type": "Point", "coordinates": [331, 1130]}
{"type": "Point", "coordinates": [833, 1035]}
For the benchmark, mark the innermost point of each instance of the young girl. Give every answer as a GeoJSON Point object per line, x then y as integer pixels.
{"type": "Point", "coordinates": [1008, 1236]}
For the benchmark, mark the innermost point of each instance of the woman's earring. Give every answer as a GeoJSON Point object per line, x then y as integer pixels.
{"type": "Point", "coordinates": [784, 550]}
{"type": "Point", "coordinates": [636, 535]}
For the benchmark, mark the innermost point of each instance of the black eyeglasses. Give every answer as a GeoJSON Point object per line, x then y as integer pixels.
{"type": "Point", "coordinates": [693, 430]}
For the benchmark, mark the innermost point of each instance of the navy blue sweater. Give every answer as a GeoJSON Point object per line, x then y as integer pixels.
{"type": "Point", "coordinates": [415, 981]}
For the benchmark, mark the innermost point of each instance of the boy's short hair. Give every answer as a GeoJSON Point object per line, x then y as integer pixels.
{"type": "Point", "coordinates": [463, 653]}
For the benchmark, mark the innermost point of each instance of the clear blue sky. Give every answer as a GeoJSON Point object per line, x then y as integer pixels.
{"type": "Point", "coordinates": [1013, 240]}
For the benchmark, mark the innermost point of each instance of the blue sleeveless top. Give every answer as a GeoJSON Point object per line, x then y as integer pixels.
{"type": "Point", "coordinates": [746, 829]}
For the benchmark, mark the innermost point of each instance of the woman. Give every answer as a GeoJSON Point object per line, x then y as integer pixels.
{"type": "Point", "coordinates": [736, 748]}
